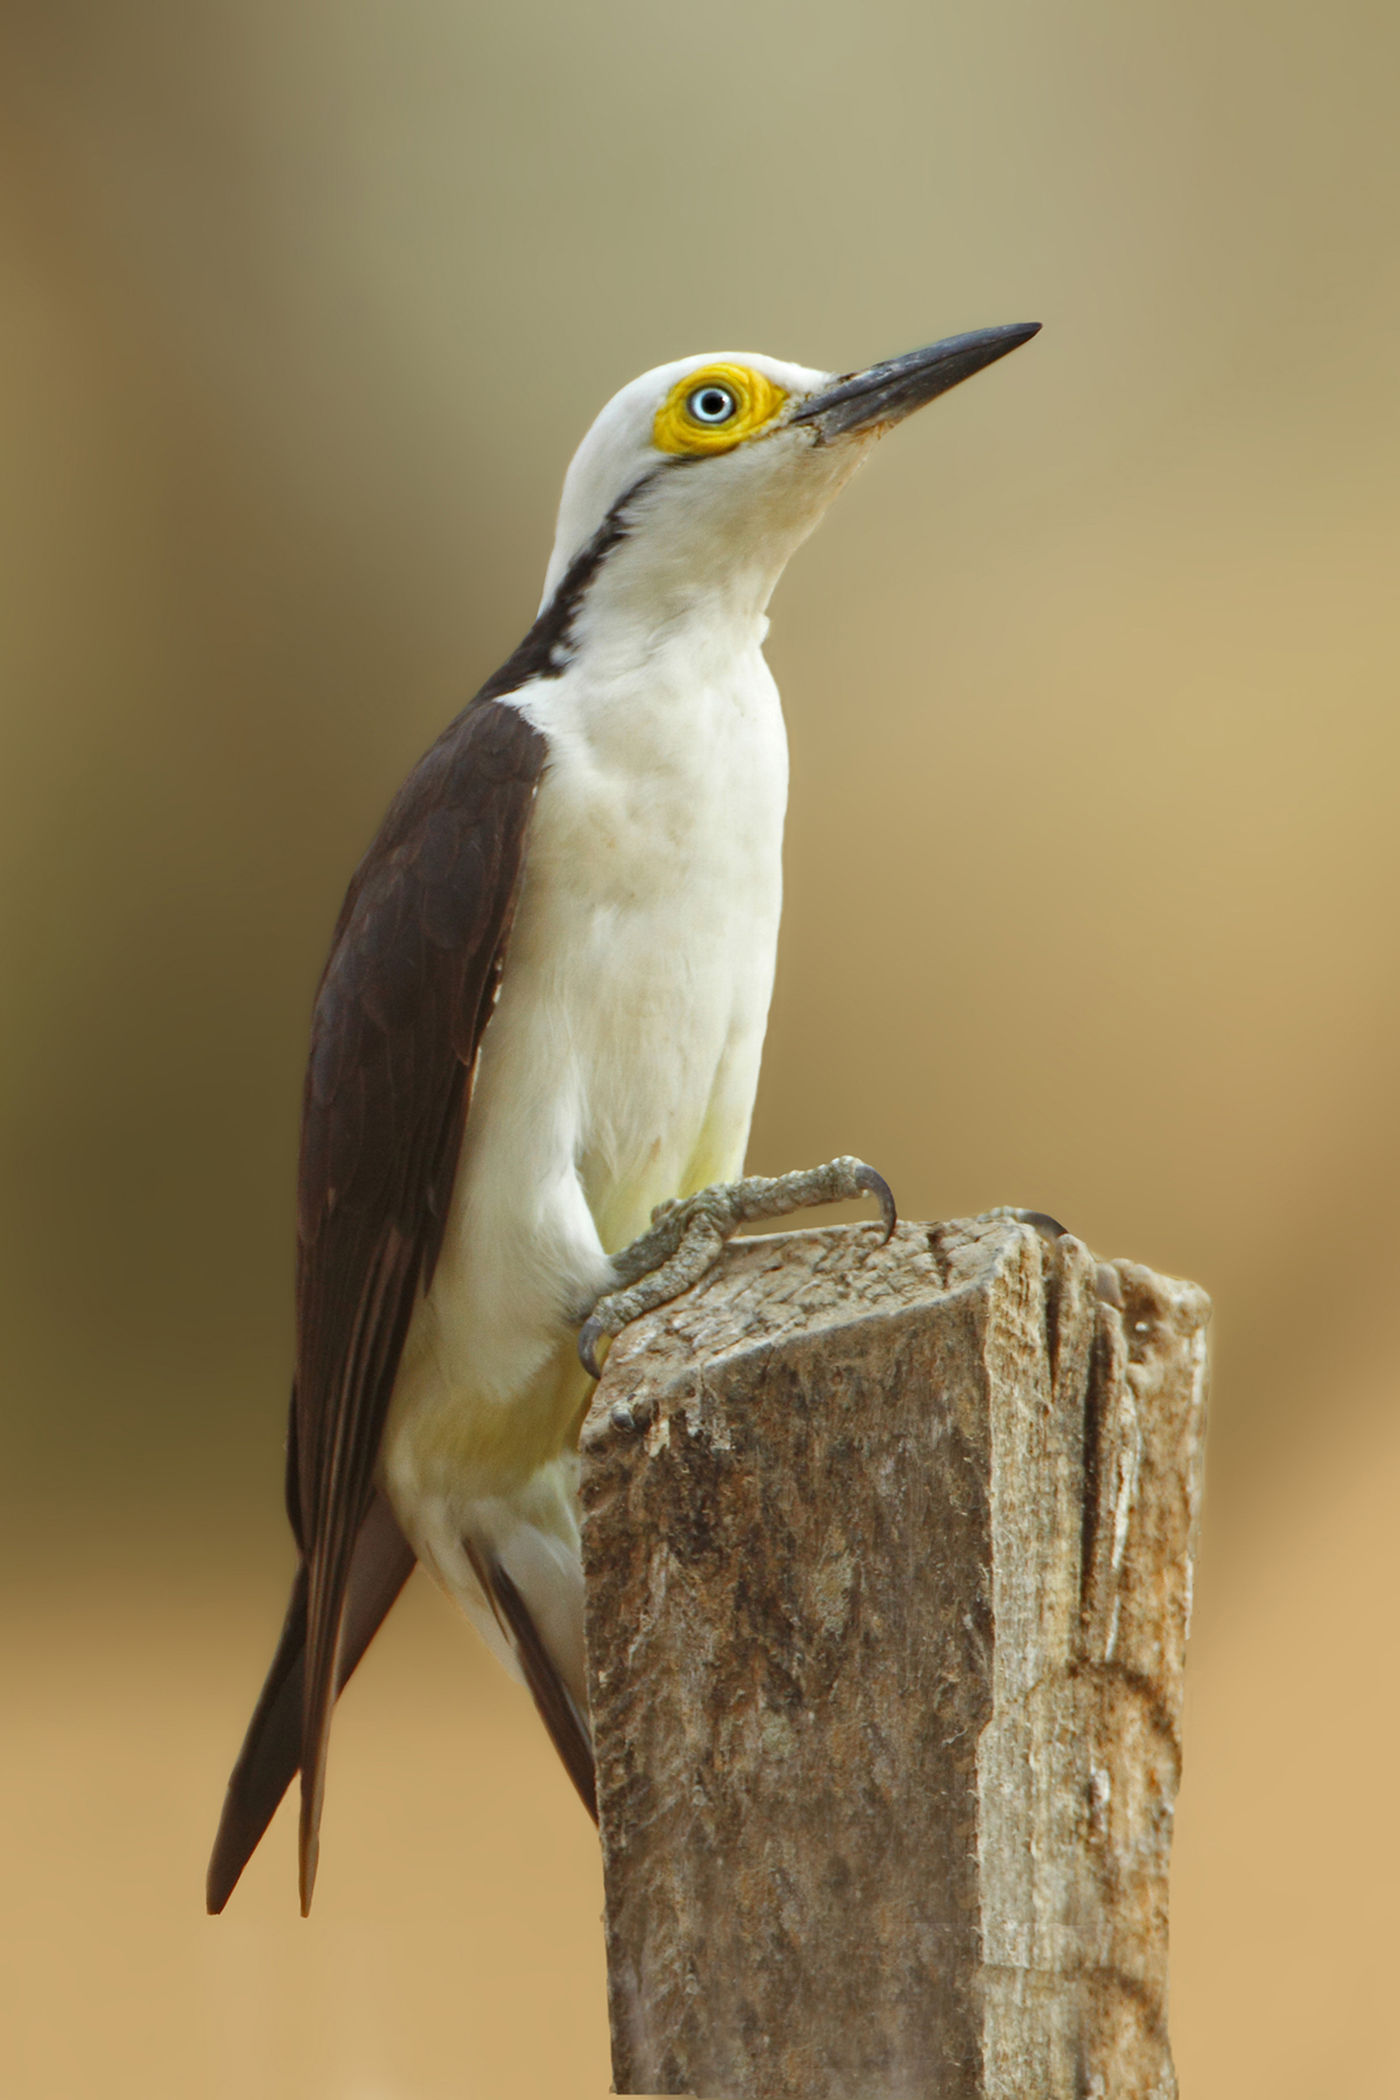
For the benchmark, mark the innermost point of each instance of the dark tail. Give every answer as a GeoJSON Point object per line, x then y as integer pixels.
{"type": "Point", "coordinates": [553, 1701]}
{"type": "Point", "coordinates": [271, 1755]}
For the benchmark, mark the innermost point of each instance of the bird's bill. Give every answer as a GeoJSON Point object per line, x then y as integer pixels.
{"type": "Point", "coordinates": [888, 392]}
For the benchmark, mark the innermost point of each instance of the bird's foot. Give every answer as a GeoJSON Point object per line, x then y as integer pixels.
{"type": "Point", "coordinates": [1109, 1288]}
{"type": "Point", "coordinates": [1049, 1228]}
{"type": "Point", "coordinates": [687, 1235]}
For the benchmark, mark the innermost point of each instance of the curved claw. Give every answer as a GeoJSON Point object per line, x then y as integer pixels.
{"type": "Point", "coordinates": [1049, 1228]}
{"type": "Point", "coordinates": [589, 1336]}
{"type": "Point", "coordinates": [876, 1185]}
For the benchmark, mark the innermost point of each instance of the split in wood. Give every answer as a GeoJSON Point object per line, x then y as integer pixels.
{"type": "Point", "coordinates": [888, 1554]}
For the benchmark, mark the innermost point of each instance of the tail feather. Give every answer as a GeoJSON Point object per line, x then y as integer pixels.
{"type": "Point", "coordinates": [554, 1702]}
{"type": "Point", "coordinates": [272, 1748]}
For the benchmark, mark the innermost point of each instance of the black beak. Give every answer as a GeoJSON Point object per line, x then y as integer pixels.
{"type": "Point", "coordinates": [886, 393]}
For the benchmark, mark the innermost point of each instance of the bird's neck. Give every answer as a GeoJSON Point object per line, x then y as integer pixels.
{"type": "Point", "coordinates": [678, 695]}
{"type": "Point", "coordinates": [644, 607]}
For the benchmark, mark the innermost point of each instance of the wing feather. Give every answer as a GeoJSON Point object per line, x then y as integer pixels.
{"type": "Point", "coordinates": [398, 1021]}
{"type": "Point", "coordinates": [267, 1763]}
{"type": "Point", "coordinates": [406, 996]}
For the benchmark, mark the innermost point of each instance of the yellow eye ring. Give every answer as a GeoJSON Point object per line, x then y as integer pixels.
{"type": "Point", "coordinates": [715, 409]}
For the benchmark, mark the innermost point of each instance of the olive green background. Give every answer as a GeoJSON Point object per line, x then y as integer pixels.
{"type": "Point", "coordinates": [1093, 878]}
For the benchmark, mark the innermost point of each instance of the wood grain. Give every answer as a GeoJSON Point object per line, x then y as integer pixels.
{"type": "Point", "coordinates": [889, 1570]}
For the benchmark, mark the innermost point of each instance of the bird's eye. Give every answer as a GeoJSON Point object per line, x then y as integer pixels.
{"type": "Point", "coordinates": [712, 404]}
{"type": "Point", "coordinates": [715, 409]}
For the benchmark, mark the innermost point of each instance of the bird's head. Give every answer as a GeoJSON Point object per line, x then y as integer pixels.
{"type": "Point", "coordinates": [700, 478]}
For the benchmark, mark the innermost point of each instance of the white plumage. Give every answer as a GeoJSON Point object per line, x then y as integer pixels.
{"type": "Point", "coordinates": [596, 844]}
{"type": "Point", "coordinates": [621, 1064]}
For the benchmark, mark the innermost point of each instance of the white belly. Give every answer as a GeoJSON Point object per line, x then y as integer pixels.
{"type": "Point", "coordinates": [619, 1068]}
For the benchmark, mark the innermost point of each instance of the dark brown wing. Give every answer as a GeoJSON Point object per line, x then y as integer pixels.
{"type": "Point", "coordinates": [406, 995]}
{"type": "Point", "coordinates": [267, 1763]}
{"type": "Point", "coordinates": [407, 992]}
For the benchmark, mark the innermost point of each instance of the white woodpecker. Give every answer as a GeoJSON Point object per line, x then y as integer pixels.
{"type": "Point", "coordinates": [540, 1023]}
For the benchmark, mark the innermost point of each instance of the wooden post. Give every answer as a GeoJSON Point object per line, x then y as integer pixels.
{"type": "Point", "coordinates": [888, 1553]}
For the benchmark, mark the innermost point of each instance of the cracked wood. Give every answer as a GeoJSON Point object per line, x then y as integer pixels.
{"type": "Point", "coordinates": [888, 1554]}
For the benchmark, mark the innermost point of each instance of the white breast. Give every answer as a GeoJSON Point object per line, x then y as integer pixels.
{"type": "Point", "coordinates": [621, 1063]}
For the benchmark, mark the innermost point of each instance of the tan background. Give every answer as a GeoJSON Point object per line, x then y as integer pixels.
{"type": "Point", "coordinates": [1092, 685]}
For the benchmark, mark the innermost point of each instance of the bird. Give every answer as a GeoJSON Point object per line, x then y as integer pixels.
{"type": "Point", "coordinates": [535, 1046]}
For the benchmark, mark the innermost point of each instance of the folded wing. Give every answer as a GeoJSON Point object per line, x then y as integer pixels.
{"type": "Point", "coordinates": [406, 995]}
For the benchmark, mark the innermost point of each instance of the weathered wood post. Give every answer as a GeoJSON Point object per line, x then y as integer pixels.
{"type": "Point", "coordinates": [889, 1574]}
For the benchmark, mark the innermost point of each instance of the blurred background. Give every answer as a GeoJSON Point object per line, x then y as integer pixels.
{"type": "Point", "coordinates": [1092, 684]}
